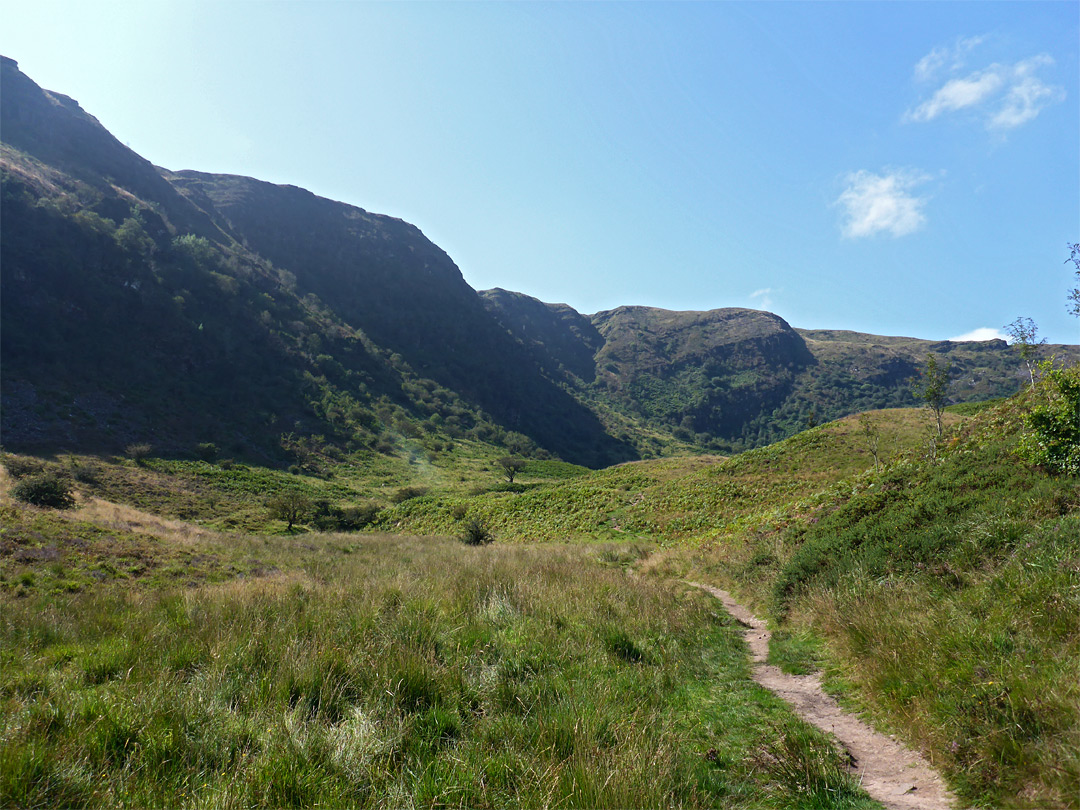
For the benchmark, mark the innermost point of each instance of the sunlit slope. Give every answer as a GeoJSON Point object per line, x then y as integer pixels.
{"type": "Point", "coordinates": [672, 499]}
{"type": "Point", "coordinates": [945, 588]}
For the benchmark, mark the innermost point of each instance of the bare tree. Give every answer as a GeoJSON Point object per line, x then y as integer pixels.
{"type": "Point", "coordinates": [1074, 293]}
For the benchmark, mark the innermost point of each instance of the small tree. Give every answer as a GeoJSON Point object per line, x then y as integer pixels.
{"type": "Point", "coordinates": [932, 388]}
{"type": "Point", "coordinates": [290, 506]}
{"type": "Point", "coordinates": [207, 451]}
{"type": "Point", "coordinates": [1024, 334]}
{"type": "Point", "coordinates": [871, 433]}
{"type": "Point", "coordinates": [511, 466]}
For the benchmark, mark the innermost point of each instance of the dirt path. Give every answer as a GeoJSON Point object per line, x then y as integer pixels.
{"type": "Point", "coordinates": [898, 778]}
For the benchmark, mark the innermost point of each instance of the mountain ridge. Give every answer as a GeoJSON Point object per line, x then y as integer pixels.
{"type": "Point", "coordinates": [226, 308]}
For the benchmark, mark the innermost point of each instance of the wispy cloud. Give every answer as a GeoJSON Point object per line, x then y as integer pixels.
{"type": "Point", "coordinates": [950, 57]}
{"type": "Point", "coordinates": [763, 297]}
{"type": "Point", "coordinates": [1005, 95]}
{"type": "Point", "coordinates": [1027, 96]}
{"type": "Point", "coordinates": [882, 203]}
{"type": "Point", "coordinates": [956, 94]}
{"type": "Point", "coordinates": [982, 333]}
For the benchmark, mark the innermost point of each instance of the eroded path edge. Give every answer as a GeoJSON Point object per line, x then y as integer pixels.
{"type": "Point", "coordinates": [899, 778]}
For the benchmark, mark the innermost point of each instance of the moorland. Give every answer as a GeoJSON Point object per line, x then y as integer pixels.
{"type": "Point", "coordinates": [292, 516]}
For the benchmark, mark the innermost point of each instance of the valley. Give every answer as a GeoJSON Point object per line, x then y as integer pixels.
{"type": "Point", "coordinates": [290, 515]}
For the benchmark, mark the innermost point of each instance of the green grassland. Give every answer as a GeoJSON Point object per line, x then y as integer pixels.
{"type": "Point", "coordinates": [218, 660]}
{"type": "Point", "coordinates": [378, 670]}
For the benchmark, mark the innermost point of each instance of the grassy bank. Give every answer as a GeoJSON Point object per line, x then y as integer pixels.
{"type": "Point", "coordinates": [942, 595]}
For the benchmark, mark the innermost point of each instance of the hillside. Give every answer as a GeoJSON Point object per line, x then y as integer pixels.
{"type": "Point", "coordinates": [731, 379]}
{"type": "Point", "coordinates": [228, 310]}
{"type": "Point", "coordinates": [933, 587]}
{"type": "Point", "coordinates": [935, 591]}
{"type": "Point", "coordinates": [140, 305]}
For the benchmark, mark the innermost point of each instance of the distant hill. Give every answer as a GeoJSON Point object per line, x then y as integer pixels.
{"type": "Point", "coordinates": [139, 304]}
{"type": "Point", "coordinates": [730, 379]}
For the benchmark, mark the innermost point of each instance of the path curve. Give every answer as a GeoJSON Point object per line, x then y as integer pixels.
{"type": "Point", "coordinates": [897, 777]}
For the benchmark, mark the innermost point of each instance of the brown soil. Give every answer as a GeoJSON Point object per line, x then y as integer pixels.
{"type": "Point", "coordinates": [897, 777]}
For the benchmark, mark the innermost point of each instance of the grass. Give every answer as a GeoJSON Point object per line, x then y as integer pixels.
{"type": "Point", "coordinates": [936, 593]}
{"type": "Point", "coordinates": [677, 499]}
{"type": "Point", "coordinates": [232, 497]}
{"type": "Point", "coordinates": [938, 596]}
{"type": "Point", "coordinates": [399, 671]}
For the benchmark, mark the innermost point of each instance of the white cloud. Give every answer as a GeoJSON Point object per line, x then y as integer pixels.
{"type": "Point", "coordinates": [959, 93]}
{"type": "Point", "coordinates": [763, 296]}
{"type": "Point", "coordinates": [982, 333]}
{"type": "Point", "coordinates": [955, 56]}
{"type": "Point", "coordinates": [875, 203]}
{"type": "Point", "coordinates": [1027, 96]}
{"type": "Point", "coordinates": [1006, 95]}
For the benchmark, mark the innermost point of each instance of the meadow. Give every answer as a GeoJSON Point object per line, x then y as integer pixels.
{"type": "Point", "coordinates": [168, 642]}
{"type": "Point", "coordinates": [391, 670]}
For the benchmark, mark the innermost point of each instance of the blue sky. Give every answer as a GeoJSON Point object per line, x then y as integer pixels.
{"type": "Point", "coordinates": [897, 168]}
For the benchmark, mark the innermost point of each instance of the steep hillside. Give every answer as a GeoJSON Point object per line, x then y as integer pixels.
{"type": "Point", "coordinates": [702, 372]}
{"type": "Point", "coordinates": [564, 340]}
{"type": "Point", "coordinates": [178, 308]}
{"type": "Point", "coordinates": [236, 311]}
{"type": "Point", "coordinates": [381, 275]}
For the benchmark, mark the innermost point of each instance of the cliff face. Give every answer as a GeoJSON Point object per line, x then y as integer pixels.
{"type": "Point", "coordinates": [55, 130]}
{"type": "Point", "coordinates": [702, 372]}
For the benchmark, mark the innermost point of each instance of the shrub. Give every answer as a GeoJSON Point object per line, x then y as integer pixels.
{"type": "Point", "coordinates": [207, 451]}
{"type": "Point", "coordinates": [408, 493]}
{"type": "Point", "coordinates": [23, 467]}
{"type": "Point", "coordinates": [359, 516]}
{"type": "Point", "coordinates": [1052, 439]}
{"type": "Point", "coordinates": [138, 452]}
{"type": "Point", "coordinates": [475, 533]}
{"type": "Point", "coordinates": [85, 472]}
{"type": "Point", "coordinates": [329, 518]}
{"type": "Point", "coordinates": [45, 489]}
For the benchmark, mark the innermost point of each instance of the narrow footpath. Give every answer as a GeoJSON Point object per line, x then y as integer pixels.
{"type": "Point", "coordinates": [897, 777]}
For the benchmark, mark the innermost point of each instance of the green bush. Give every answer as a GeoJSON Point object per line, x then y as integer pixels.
{"type": "Point", "coordinates": [475, 533]}
{"type": "Point", "coordinates": [408, 493]}
{"type": "Point", "coordinates": [45, 489]}
{"type": "Point", "coordinates": [330, 518]}
{"type": "Point", "coordinates": [1052, 439]}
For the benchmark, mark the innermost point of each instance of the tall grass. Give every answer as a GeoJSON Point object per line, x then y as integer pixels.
{"type": "Point", "coordinates": [942, 596]}
{"type": "Point", "coordinates": [399, 672]}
